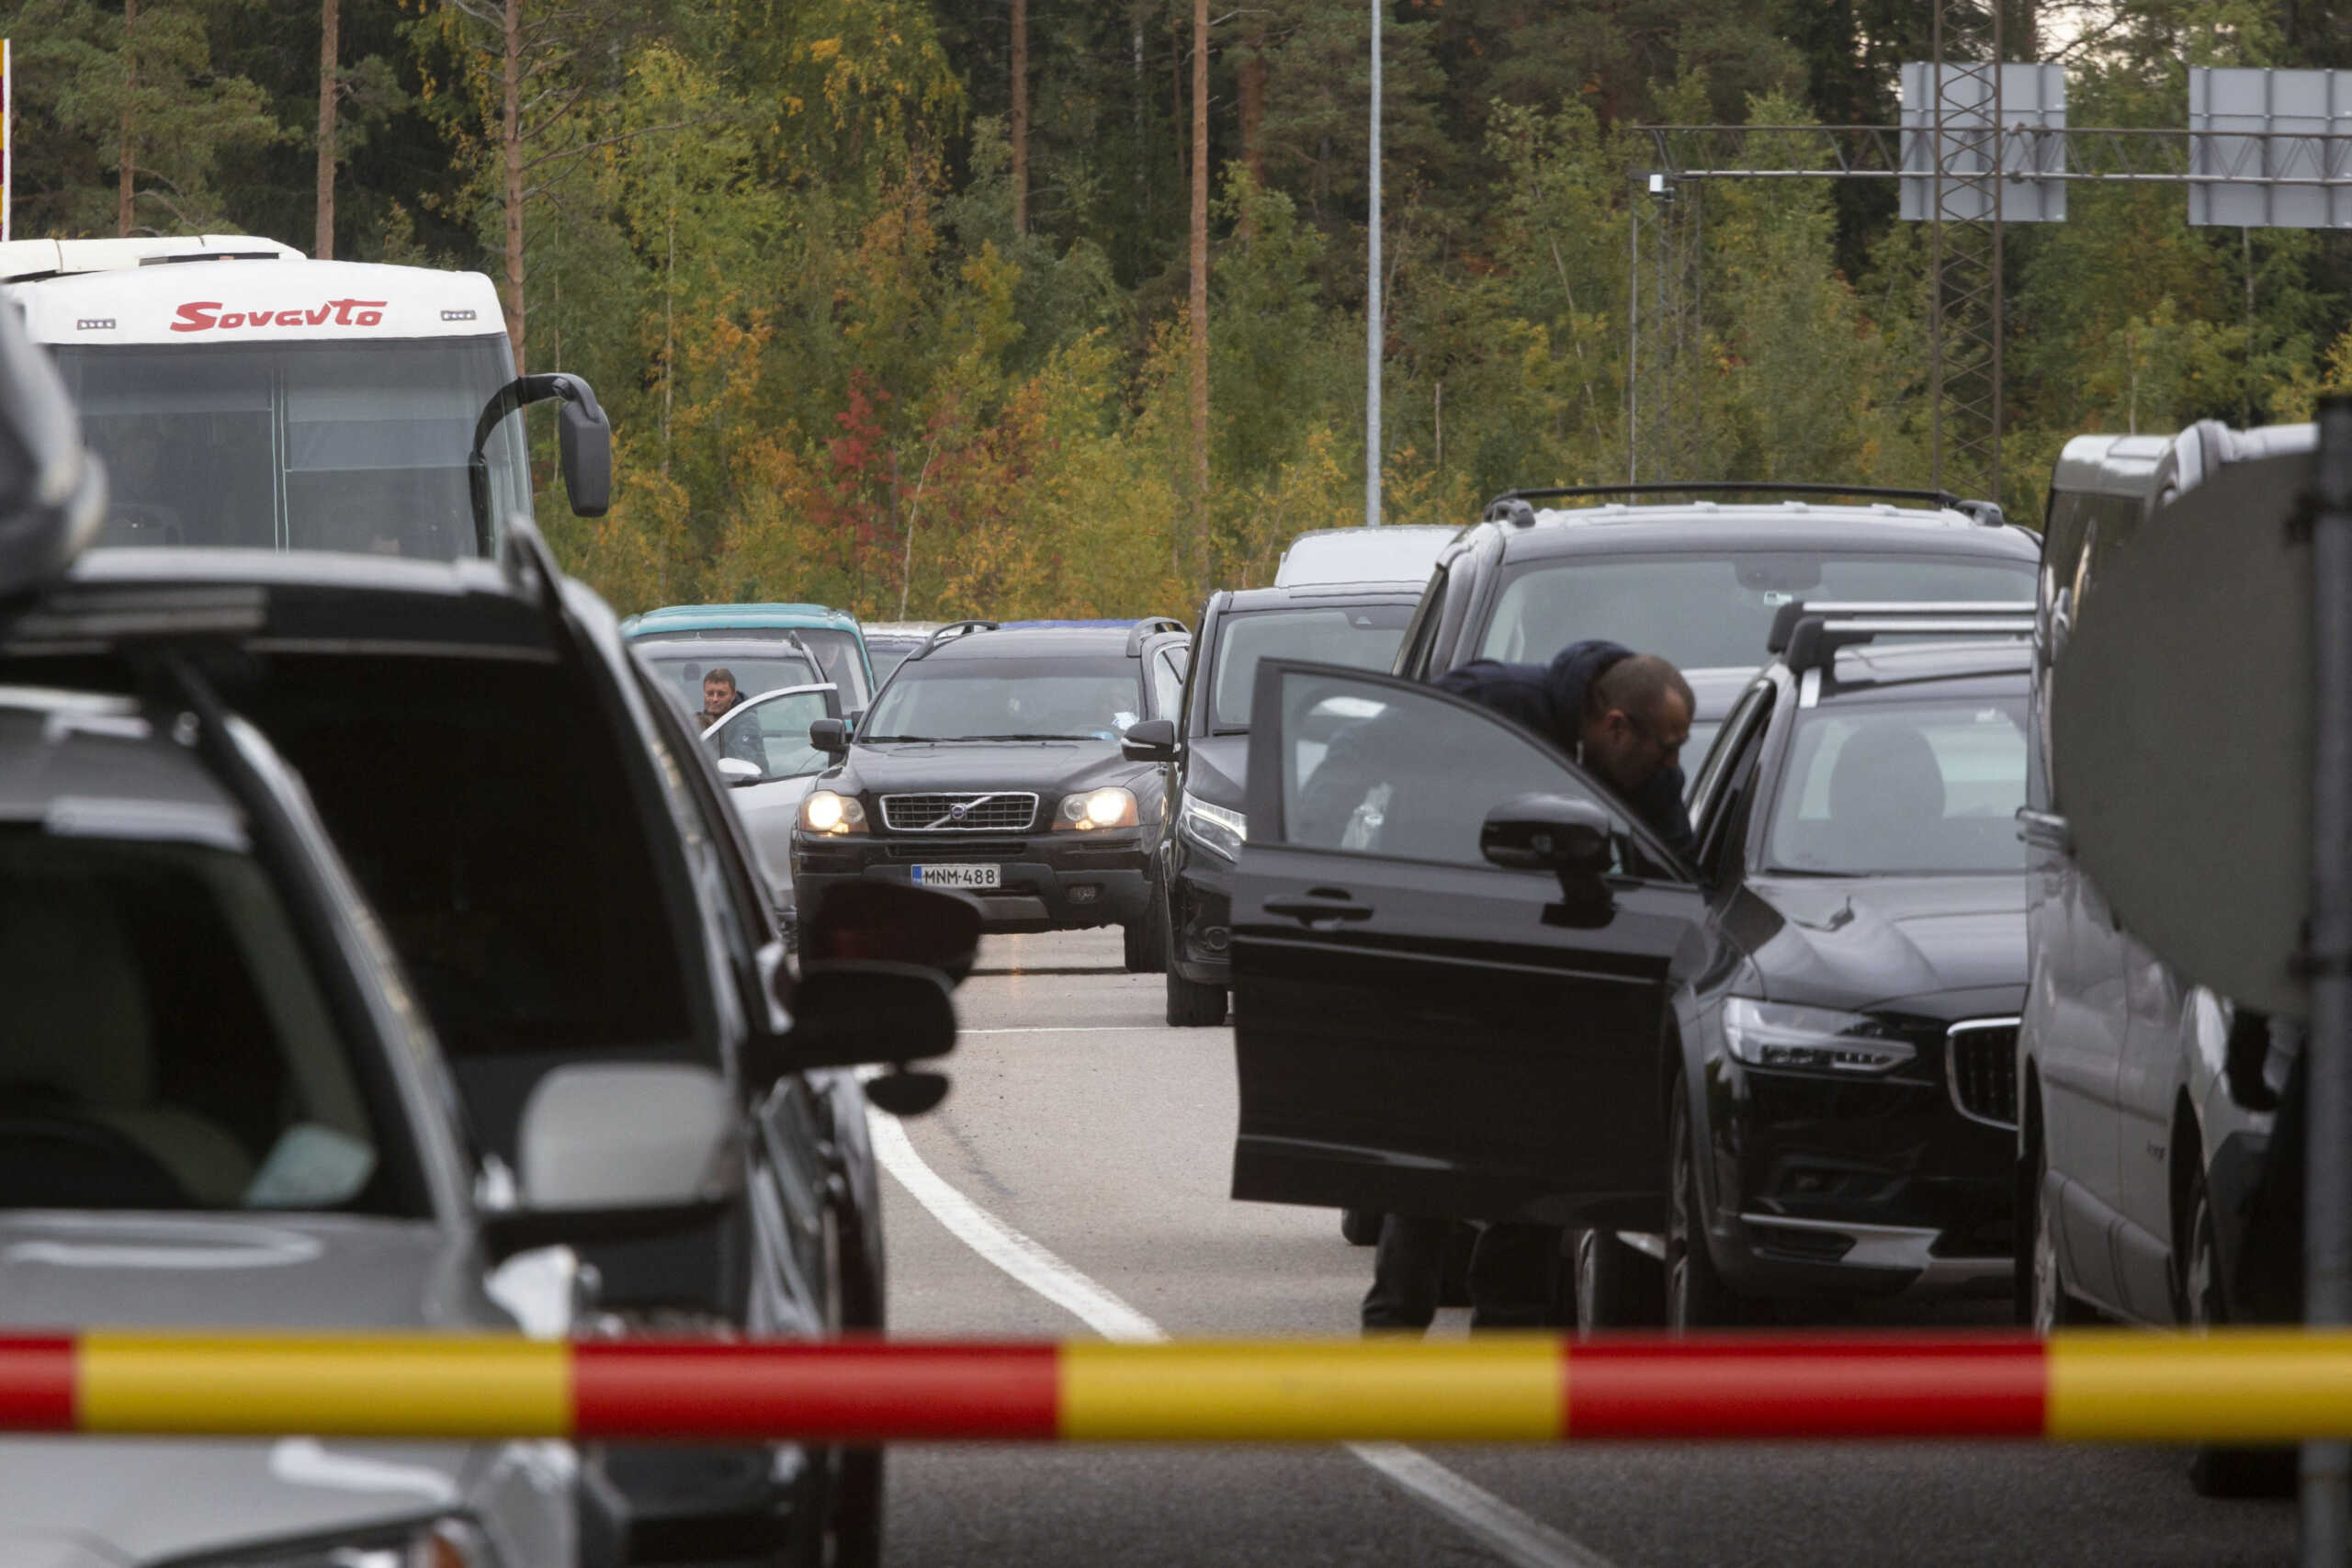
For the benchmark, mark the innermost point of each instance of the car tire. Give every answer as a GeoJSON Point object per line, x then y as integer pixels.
{"type": "Point", "coordinates": [2051, 1306]}
{"type": "Point", "coordinates": [1696, 1296]}
{"type": "Point", "coordinates": [1361, 1226]}
{"type": "Point", "coordinates": [1192, 1004]}
{"type": "Point", "coordinates": [1616, 1287]}
{"type": "Point", "coordinates": [1453, 1267]}
{"type": "Point", "coordinates": [857, 1510]}
{"type": "Point", "coordinates": [2215, 1471]}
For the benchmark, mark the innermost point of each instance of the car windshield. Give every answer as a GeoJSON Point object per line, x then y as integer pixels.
{"type": "Point", "coordinates": [976, 699]}
{"type": "Point", "coordinates": [298, 445]}
{"type": "Point", "coordinates": [682, 665]}
{"type": "Point", "coordinates": [1876, 788]}
{"type": "Point", "coordinates": [773, 735]}
{"type": "Point", "coordinates": [1363, 636]}
{"type": "Point", "coordinates": [1715, 611]}
{"type": "Point", "coordinates": [164, 1044]}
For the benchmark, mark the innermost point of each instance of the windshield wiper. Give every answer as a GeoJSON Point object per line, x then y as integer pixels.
{"type": "Point", "coordinates": [1026, 736]}
{"type": "Point", "coordinates": [869, 740]}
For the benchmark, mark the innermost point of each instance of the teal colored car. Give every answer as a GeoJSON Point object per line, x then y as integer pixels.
{"type": "Point", "coordinates": [831, 638]}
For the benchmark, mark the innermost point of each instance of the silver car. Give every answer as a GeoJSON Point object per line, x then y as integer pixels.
{"type": "Point", "coordinates": [224, 1109]}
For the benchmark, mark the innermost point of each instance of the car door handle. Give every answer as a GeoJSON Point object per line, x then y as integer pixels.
{"type": "Point", "coordinates": [1307, 911]}
{"type": "Point", "coordinates": [2046, 828]}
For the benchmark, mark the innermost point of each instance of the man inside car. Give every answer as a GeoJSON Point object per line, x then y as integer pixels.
{"type": "Point", "coordinates": [741, 741]}
{"type": "Point", "coordinates": [1624, 717]}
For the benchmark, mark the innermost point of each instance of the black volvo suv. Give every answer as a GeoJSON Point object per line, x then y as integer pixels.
{"type": "Point", "coordinates": [1205, 757]}
{"type": "Point", "coordinates": [991, 765]}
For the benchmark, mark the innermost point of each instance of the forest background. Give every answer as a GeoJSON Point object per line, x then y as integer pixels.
{"type": "Point", "coordinates": [872, 335]}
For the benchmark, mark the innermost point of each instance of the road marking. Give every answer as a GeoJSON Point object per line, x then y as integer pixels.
{"type": "Point", "coordinates": [1068, 1029]}
{"type": "Point", "coordinates": [1502, 1528]}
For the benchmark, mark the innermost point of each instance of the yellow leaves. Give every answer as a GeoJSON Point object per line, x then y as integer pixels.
{"type": "Point", "coordinates": [824, 48]}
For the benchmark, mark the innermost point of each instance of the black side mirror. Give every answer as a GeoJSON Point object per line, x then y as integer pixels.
{"type": "Point", "coordinates": [1153, 740]}
{"type": "Point", "coordinates": [1549, 832]}
{"type": "Point", "coordinates": [830, 736]}
{"type": "Point", "coordinates": [584, 442]}
{"type": "Point", "coordinates": [52, 493]}
{"type": "Point", "coordinates": [584, 448]}
{"type": "Point", "coordinates": [847, 1014]}
{"type": "Point", "coordinates": [893, 922]}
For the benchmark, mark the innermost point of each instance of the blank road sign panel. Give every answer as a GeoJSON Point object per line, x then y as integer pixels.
{"type": "Point", "coordinates": [2273, 148]}
{"type": "Point", "coordinates": [2033, 98]}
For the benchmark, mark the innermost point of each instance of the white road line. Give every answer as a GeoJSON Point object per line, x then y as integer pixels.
{"type": "Point", "coordinates": [1502, 1528]}
{"type": "Point", "coordinates": [1068, 1029]}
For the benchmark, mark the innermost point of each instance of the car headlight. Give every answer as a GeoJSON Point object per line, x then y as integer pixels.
{"type": "Point", "coordinates": [1775, 1034]}
{"type": "Point", "coordinates": [1216, 828]}
{"type": "Point", "coordinates": [831, 813]}
{"type": "Point", "coordinates": [1112, 807]}
{"type": "Point", "coordinates": [440, 1543]}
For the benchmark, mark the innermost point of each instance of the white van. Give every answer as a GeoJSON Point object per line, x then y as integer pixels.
{"type": "Point", "coordinates": [242, 394]}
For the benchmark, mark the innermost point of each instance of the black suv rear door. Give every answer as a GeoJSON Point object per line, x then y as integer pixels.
{"type": "Point", "coordinates": [1416, 1030]}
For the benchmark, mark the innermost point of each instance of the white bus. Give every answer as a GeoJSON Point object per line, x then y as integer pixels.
{"type": "Point", "coordinates": [243, 395]}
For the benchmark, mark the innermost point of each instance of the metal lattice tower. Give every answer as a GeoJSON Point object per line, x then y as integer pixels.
{"type": "Point", "coordinates": [1964, 247]}
{"type": "Point", "coordinates": [1663, 434]}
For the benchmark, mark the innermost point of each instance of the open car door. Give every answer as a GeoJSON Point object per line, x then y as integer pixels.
{"type": "Point", "coordinates": [1426, 1022]}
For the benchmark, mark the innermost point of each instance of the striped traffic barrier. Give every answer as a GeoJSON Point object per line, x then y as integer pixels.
{"type": "Point", "coordinates": [2243, 1385]}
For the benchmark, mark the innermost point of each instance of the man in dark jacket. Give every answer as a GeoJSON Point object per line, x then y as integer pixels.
{"type": "Point", "coordinates": [1622, 716]}
{"type": "Point", "coordinates": [743, 740]}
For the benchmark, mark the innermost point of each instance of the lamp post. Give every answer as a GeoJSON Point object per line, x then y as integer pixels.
{"type": "Point", "coordinates": [1372, 329]}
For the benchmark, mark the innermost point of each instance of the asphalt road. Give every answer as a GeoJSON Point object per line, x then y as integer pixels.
{"type": "Point", "coordinates": [1081, 1123]}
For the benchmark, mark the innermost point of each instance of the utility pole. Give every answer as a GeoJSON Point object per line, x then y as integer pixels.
{"type": "Point", "coordinates": [1200, 300]}
{"type": "Point", "coordinates": [322, 244]}
{"type": "Point", "coordinates": [1374, 331]}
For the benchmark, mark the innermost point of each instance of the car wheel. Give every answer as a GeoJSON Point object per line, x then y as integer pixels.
{"type": "Point", "coordinates": [1145, 943]}
{"type": "Point", "coordinates": [1361, 1226]}
{"type": "Point", "coordinates": [1192, 1004]}
{"type": "Point", "coordinates": [2054, 1306]}
{"type": "Point", "coordinates": [857, 1510]}
{"type": "Point", "coordinates": [1453, 1267]}
{"type": "Point", "coordinates": [1616, 1286]}
{"type": "Point", "coordinates": [1696, 1296]}
{"type": "Point", "coordinates": [2214, 1470]}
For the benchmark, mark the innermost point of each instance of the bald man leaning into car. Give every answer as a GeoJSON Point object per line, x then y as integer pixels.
{"type": "Point", "coordinates": [1624, 716]}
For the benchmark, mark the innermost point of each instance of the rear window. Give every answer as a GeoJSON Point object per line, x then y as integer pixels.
{"type": "Point", "coordinates": [1715, 611]}
{"type": "Point", "coordinates": [681, 670]}
{"type": "Point", "coordinates": [1362, 636]}
{"type": "Point", "coordinates": [165, 1045]}
{"type": "Point", "coordinates": [488, 815]}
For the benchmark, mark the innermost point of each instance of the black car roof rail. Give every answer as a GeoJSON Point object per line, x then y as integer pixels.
{"type": "Point", "coordinates": [1807, 636]}
{"type": "Point", "coordinates": [1149, 627]}
{"type": "Point", "coordinates": [955, 629]}
{"type": "Point", "coordinates": [1512, 507]}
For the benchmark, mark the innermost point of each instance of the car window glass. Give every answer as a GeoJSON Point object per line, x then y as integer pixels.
{"type": "Point", "coordinates": [1167, 685]}
{"type": "Point", "coordinates": [1903, 787]}
{"type": "Point", "coordinates": [1404, 774]}
{"type": "Point", "coordinates": [1364, 636]}
{"type": "Point", "coordinates": [165, 1043]}
{"type": "Point", "coordinates": [773, 734]}
{"type": "Point", "coordinates": [1715, 611]}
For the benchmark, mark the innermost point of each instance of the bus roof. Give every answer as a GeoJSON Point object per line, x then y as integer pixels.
{"type": "Point", "coordinates": [205, 296]}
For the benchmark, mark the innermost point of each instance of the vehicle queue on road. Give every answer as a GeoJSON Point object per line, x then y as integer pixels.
{"type": "Point", "coordinates": [1820, 1058]}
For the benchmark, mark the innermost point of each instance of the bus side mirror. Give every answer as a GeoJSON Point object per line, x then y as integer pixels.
{"type": "Point", "coordinates": [584, 440]}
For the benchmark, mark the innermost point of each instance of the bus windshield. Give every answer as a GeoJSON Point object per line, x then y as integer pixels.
{"type": "Point", "coordinates": [300, 445]}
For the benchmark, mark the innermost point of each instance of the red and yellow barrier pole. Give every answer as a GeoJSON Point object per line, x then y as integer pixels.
{"type": "Point", "coordinates": [2241, 1386]}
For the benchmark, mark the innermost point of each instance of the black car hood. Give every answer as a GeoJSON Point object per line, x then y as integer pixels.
{"type": "Point", "coordinates": [1216, 768]}
{"type": "Point", "coordinates": [1853, 943]}
{"type": "Point", "coordinates": [1051, 768]}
